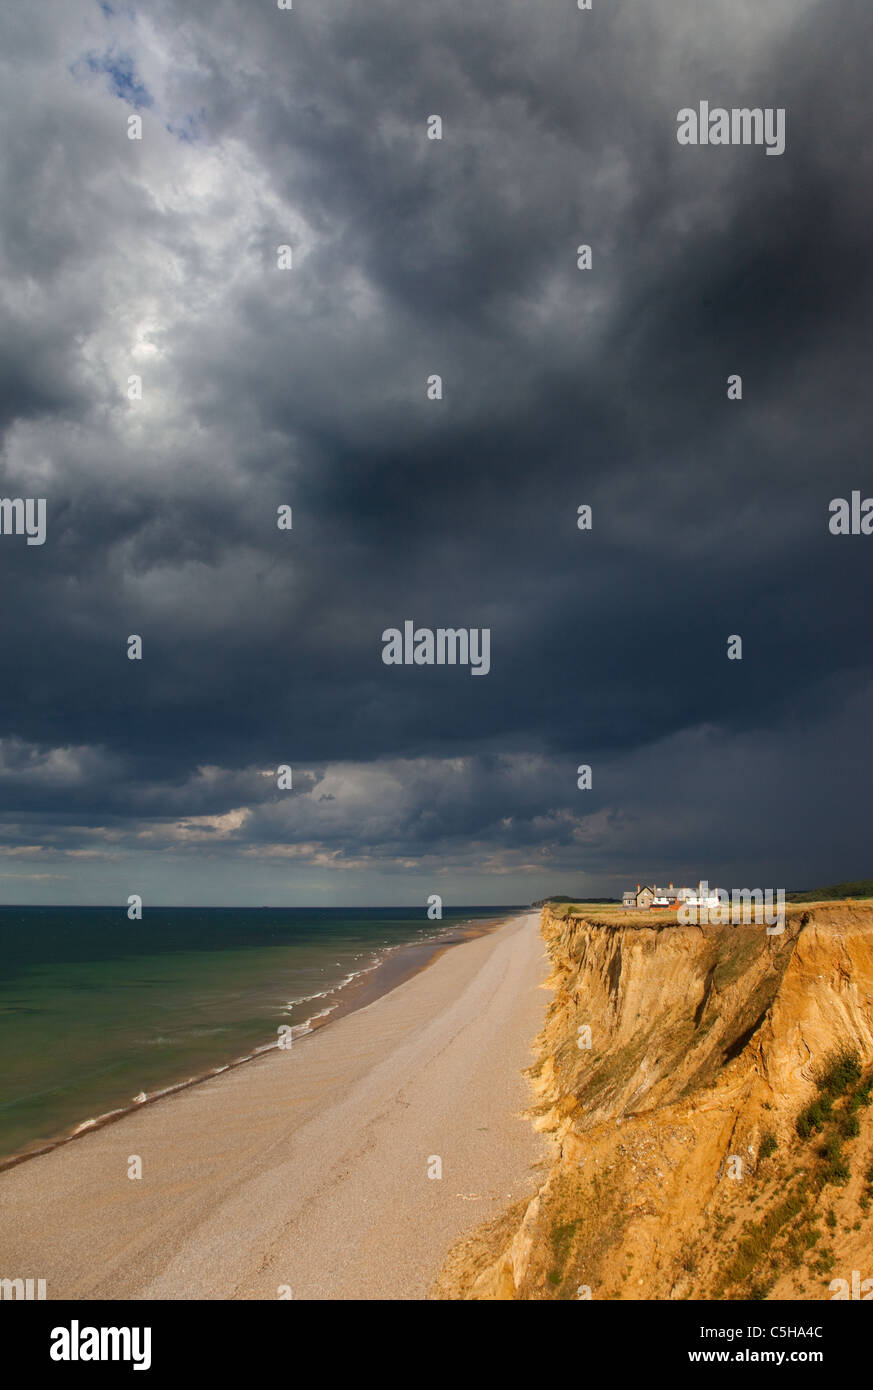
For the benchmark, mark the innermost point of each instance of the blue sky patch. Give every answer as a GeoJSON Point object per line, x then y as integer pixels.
{"type": "Point", "coordinates": [188, 126]}
{"type": "Point", "coordinates": [121, 71]}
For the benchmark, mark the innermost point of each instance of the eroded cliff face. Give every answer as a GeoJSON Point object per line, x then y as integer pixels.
{"type": "Point", "coordinates": [678, 1169]}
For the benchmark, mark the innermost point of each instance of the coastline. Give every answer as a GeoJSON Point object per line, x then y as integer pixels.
{"type": "Point", "coordinates": [308, 1169]}
{"type": "Point", "coordinates": [396, 965]}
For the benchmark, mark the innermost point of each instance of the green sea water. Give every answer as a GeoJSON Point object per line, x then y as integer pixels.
{"type": "Point", "coordinates": [96, 1009]}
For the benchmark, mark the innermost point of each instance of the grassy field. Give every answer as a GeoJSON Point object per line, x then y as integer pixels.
{"type": "Point", "coordinates": [862, 889]}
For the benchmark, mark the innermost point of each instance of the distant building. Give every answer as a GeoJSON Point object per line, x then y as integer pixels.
{"type": "Point", "coordinates": [702, 896]}
{"type": "Point", "coordinates": [643, 897]}
{"type": "Point", "coordinates": [651, 896]}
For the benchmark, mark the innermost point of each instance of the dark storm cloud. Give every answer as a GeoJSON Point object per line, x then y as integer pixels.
{"type": "Point", "coordinates": [264, 387]}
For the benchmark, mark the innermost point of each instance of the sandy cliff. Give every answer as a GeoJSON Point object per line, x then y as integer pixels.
{"type": "Point", "coordinates": [716, 1138]}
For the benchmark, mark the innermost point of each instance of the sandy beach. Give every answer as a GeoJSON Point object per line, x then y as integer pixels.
{"type": "Point", "coordinates": [307, 1169]}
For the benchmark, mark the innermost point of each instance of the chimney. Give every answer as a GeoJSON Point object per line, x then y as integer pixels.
{"type": "Point", "coordinates": [638, 887]}
{"type": "Point", "coordinates": [671, 883]}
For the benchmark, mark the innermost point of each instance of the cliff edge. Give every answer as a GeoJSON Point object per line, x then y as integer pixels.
{"type": "Point", "coordinates": [712, 1137]}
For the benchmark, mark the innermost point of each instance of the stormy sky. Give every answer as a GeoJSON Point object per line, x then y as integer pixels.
{"type": "Point", "coordinates": [306, 387]}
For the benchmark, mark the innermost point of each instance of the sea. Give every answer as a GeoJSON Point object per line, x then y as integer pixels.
{"type": "Point", "coordinates": [99, 1013]}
